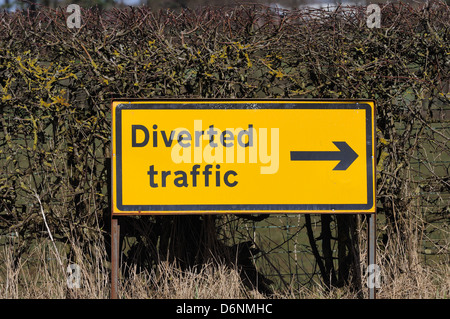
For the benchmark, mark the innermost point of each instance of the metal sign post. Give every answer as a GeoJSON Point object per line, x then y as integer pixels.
{"type": "Point", "coordinates": [371, 241]}
{"type": "Point", "coordinates": [115, 253]}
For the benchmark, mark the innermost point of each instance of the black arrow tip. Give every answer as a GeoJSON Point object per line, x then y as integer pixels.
{"type": "Point", "coordinates": [348, 156]}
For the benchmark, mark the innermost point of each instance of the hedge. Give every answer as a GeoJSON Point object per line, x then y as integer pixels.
{"type": "Point", "coordinates": [56, 86]}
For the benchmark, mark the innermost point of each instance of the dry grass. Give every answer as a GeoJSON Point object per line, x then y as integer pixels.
{"type": "Point", "coordinates": [169, 282]}
{"type": "Point", "coordinates": [39, 275]}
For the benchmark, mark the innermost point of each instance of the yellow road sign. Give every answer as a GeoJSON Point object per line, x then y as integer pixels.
{"type": "Point", "coordinates": [242, 156]}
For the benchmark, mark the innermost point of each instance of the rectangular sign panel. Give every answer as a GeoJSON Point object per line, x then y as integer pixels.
{"type": "Point", "coordinates": [242, 156]}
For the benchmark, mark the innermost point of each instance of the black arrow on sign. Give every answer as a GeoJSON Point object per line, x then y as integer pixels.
{"type": "Point", "coordinates": [346, 156]}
